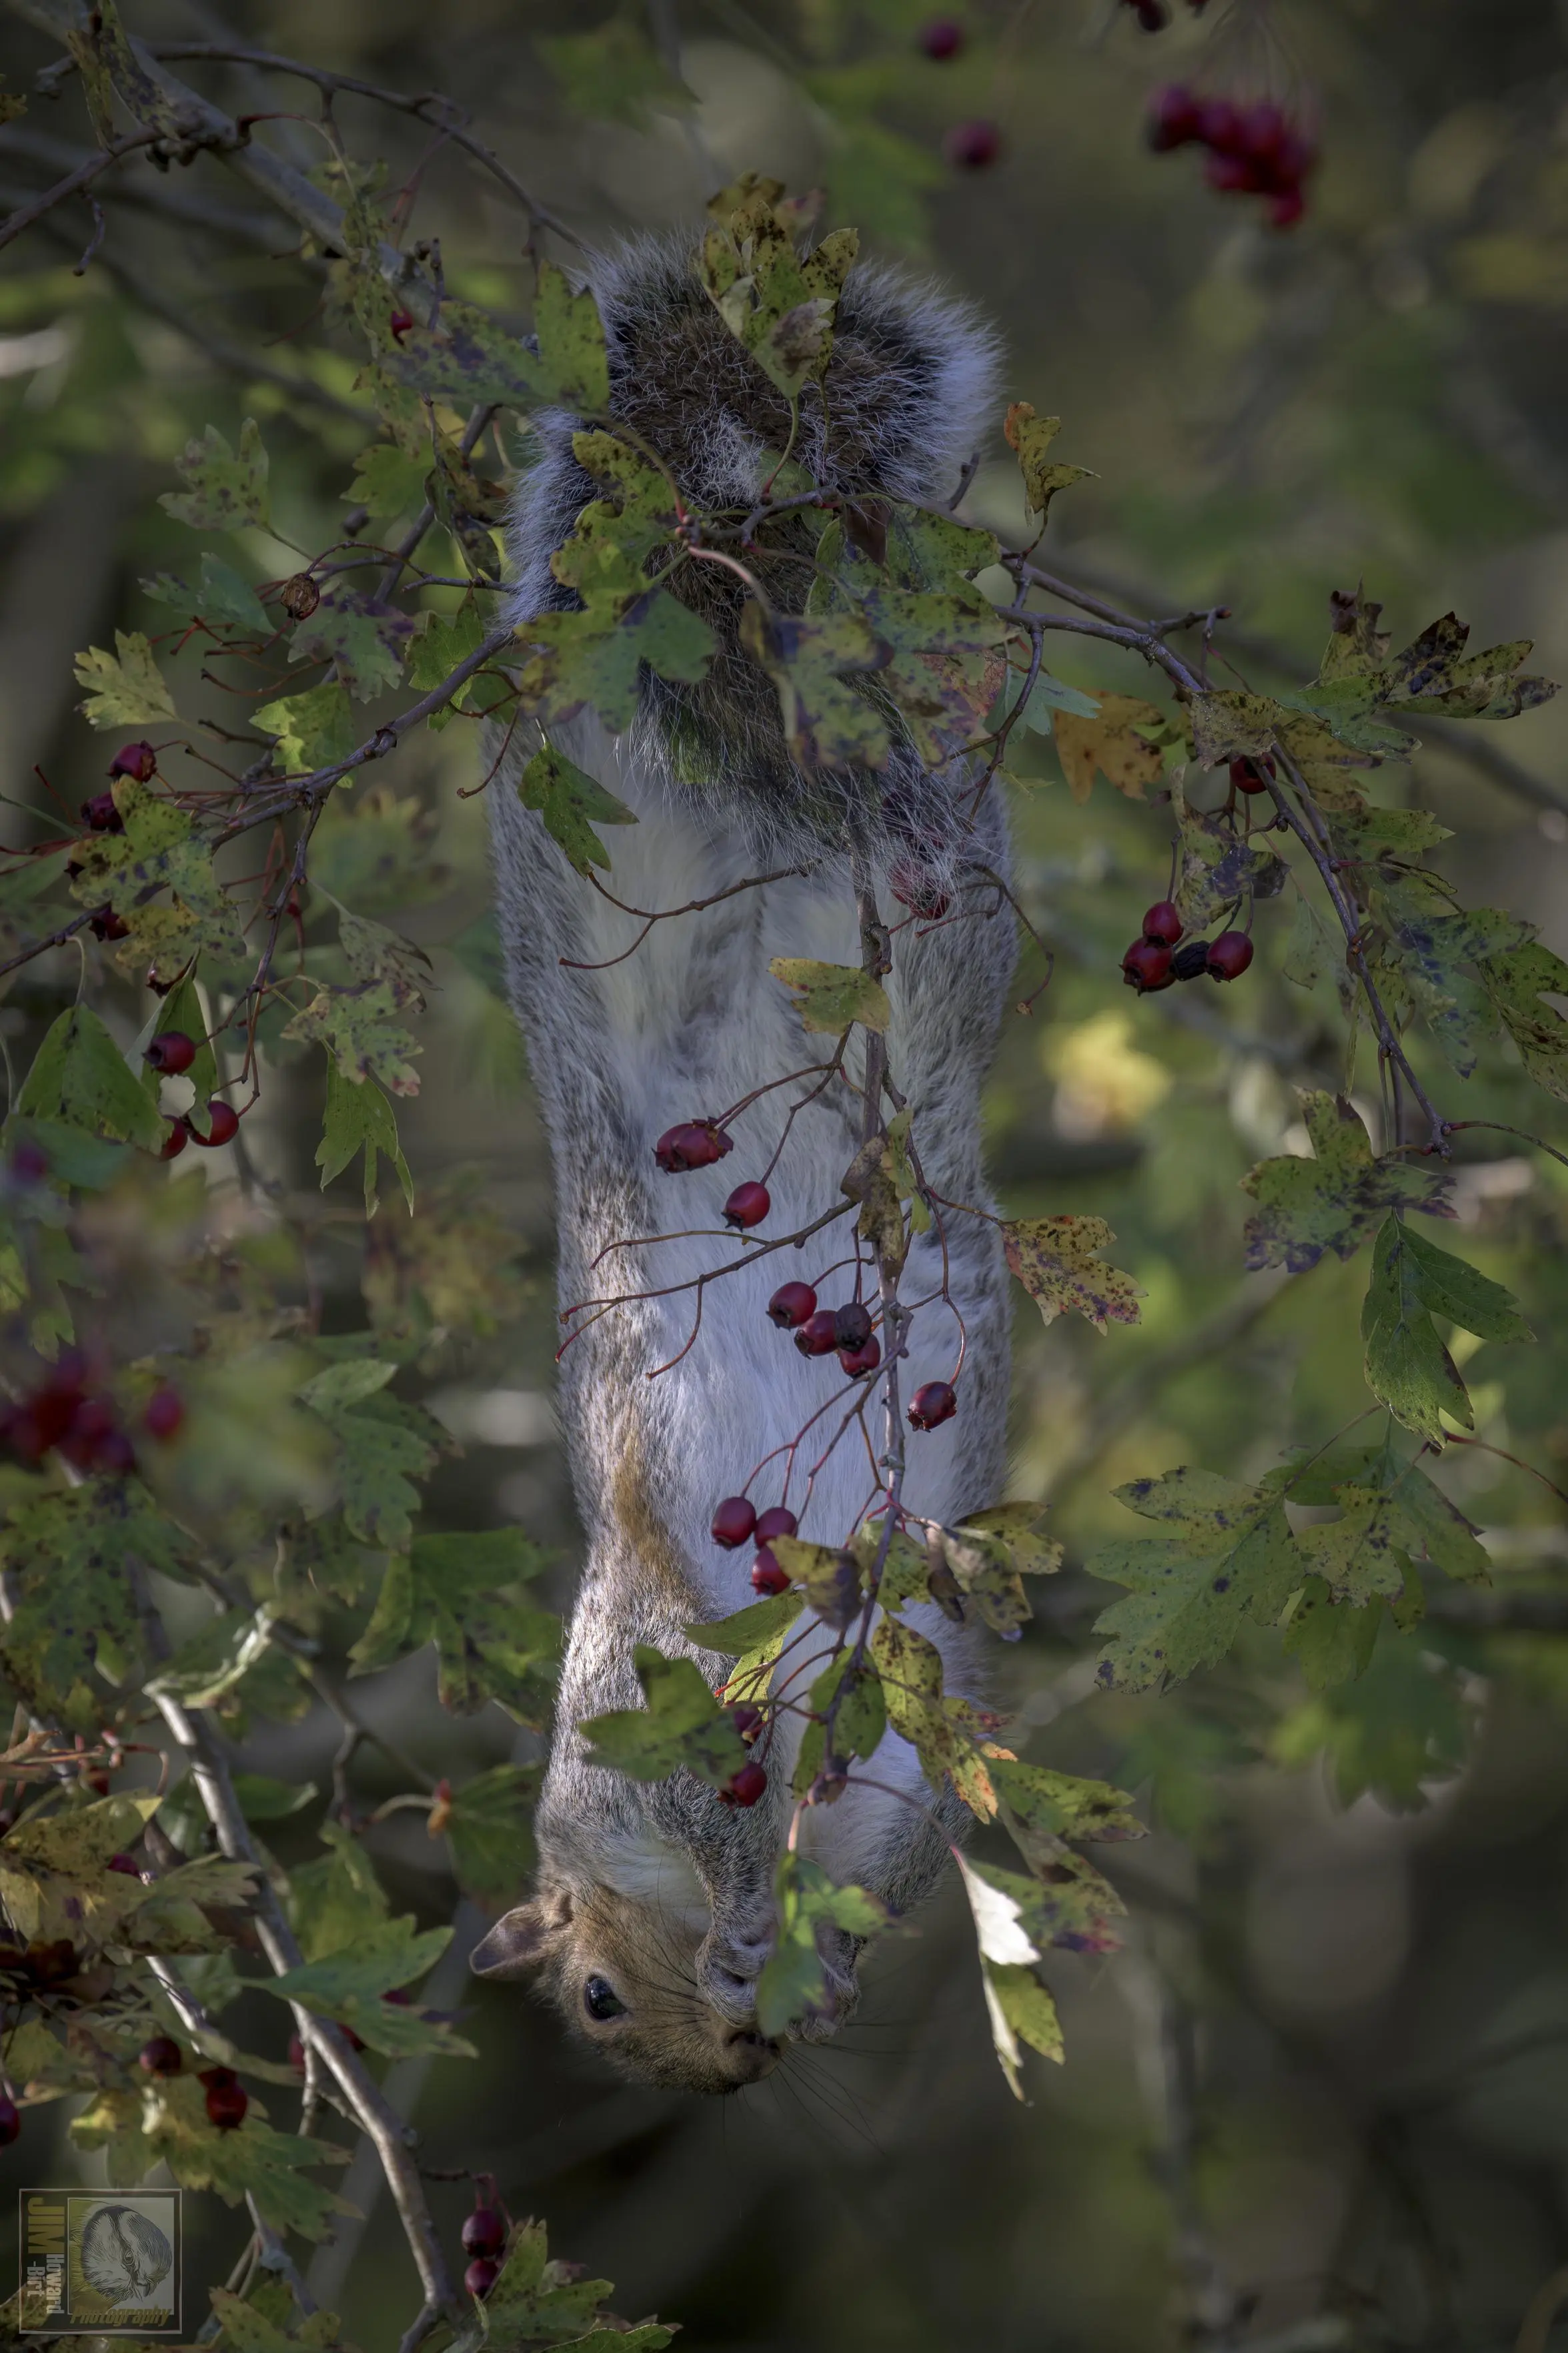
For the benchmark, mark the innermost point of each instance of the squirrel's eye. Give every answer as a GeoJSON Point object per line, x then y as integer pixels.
{"type": "Point", "coordinates": [601, 2000]}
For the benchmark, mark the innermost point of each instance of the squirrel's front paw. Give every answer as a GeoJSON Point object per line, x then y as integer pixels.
{"type": "Point", "coordinates": [838, 1952]}
{"type": "Point", "coordinates": [728, 1968]}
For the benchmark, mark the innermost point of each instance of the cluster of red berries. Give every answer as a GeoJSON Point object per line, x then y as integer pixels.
{"type": "Point", "coordinates": [737, 1521]}
{"type": "Point", "coordinates": [64, 1414]}
{"type": "Point", "coordinates": [1252, 151]}
{"type": "Point", "coordinates": [819, 1331]}
{"type": "Point", "coordinates": [1155, 960]}
{"type": "Point", "coordinates": [170, 1054]}
{"type": "Point", "coordinates": [484, 2244]}
{"type": "Point", "coordinates": [697, 1144]}
{"type": "Point", "coordinates": [99, 816]}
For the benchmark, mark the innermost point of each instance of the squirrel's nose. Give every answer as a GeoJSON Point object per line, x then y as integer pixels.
{"type": "Point", "coordinates": [750, 2056]}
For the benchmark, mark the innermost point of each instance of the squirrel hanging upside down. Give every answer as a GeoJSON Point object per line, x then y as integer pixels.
{"type": "Point", "coordinates": [653, 1915]}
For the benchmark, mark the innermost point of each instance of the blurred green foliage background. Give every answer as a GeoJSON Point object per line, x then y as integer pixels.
{"type": "Point", "coordinates": [1322, 2099]}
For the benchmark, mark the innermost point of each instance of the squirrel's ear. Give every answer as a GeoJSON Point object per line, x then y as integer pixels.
{"type": "Point", "coordinates": [522, 1937]}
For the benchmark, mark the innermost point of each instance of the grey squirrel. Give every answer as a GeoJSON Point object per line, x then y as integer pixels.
{"type": "Point", "coordinates": [653, 1913]}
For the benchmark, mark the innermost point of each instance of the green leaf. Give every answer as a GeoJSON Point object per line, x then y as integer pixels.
{"type": "Point", "coordinates": [335, 1900]}
{"type": "Point", "coordinates": [1403, 1721]}
{"type": "Point", "coordinates": [1032, 437]}
{"type": "Point", "coordinates": [1020, 2010]}
{"type": "Point", "coordinates": [264, 1800]}
{"type": "Point", "coordinates": [1359, 1557]}
{"type": "Point", "coordinates": [387, 482]}
{"type": "Point", "coordinates": [810, 661]}
{"type": "Point", "coordinates": [573, 363]}
{"type": "Point", "coordinates": [1216, 866]}
{"type": "Point", "coordinates": [793, 1985]}
{"type": "Point", "coordinates": [1330, 1639]}
{"type": "Point", "coordinates": [778, 303]}
{"type": "Point", "coordinates": [364, 638]}
{"type": "Point", "coordinates": [159, 850]}
{"type": "Point", "coordinates": [487, 1826]}
{"type": "Point", "coordinates": [451, 1590]}
{"type": "Point", "coordinates": [1407, 1367]}
{"type": "Point", "coordinates": [313, 730]}
{"type": "Point", "coordinates": [571, 803]}
{"type": "Point", "coordinates": [831, 995]}
{"type": "Point", "coordinates": [681, 1726]}
{"type": "Point", "coordinates": [224, 489]}
{"type": "Point", "coordinates": [760, 1621]}
{"type": "Point", "coordinates": [250, 2159]}
{"type": "Point", "coordinates": [69, 1553]}
{"type": "Point", "coordinates": [594, 657]}
{"type": "Point", "coordinates": [1058, 1261]}
{"type": "Point", "coordinates": [1063, 1805]}
{"type": "Point", "coordinates": [1432, 674]}
{"type": "Point", "coordinates": [358, 1029]}
{"type": "Point", "coordinates": [223, 600]}
{"type": "Point", "coordinates": [1230, 1558]}
{"type": "Point", "coordinates": [1517, 985]}
{"type": "Point", "coordinates": [1016, 1918]}
{"type": "Point", "coordinates": [359, 1118]}
{"type": "Point", "coordinates": [348, 1986]}
{"type": "Point", "coordinates": [78, 1077]}
{"type": "Point", "coordinates": [127, 689]}
{"type": "Point", "coordinates": [1332, 1201]}
{"type": "Point", "coordinates": [535, 2302]}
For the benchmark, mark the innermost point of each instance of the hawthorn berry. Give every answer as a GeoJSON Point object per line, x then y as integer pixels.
{"type": "Point", "coordinates": [747, 1720]}
{"type": "Point", "coordinates": [300, 597]}
{"type": "Point", "coordinates": [858, 1362]}
{"type": "Point", "coordinates": [1174, 117]}
{"type": "Point", "coordinates": [695, 1143]}
{"type": "Point", "coordinates": [112, 1454]}
{"type": "Point", "coordinates": [484, 2231]}
{"type": "Point", "coordinates": [972, 146]}
{"type": "Point", "coordinates": [1249, 776]}
{"type": "Point", "coordinates": [1146, 965]}
{"type": "Point", "coordinates": [101, 816]}
{"type": "Point", "coordinates": [1229, 955]}
{"type": "Point", "coordinates": [223, 1125]}
{"type": "Point", "coordinates": [30, 1162]}
{"type": "Point", "coordinates": [10, 2121]}
{"type": "Point", "coordinates": [852, 1324]}
{"type": "Point", "coordinates": [791, 1305]}
{"type": "Point", "coordinates": [817, 1337]}
{"type": "Point", "coordinates": [160, 2056]}
{"type": "Point", "coordinates": [125, 1864]}
{"type": "Point", "coordinates": [747, 1206]}
{"type": "Point", "coordinates": [778, 1520]}
{"type": "Point", "coordinates": [138, 761]}
{"type": "Point", "coordinates": [1189, 962]}
{"type": "Point", "coordinates": [482, 2273]}
{"type": "Point", "coordinates": [914, 888]}
{"type": "Point", "coordinates": [165, 1411]}
{"type": "Point", "coordinates": [227, 2098]}
{"type": "Point", "coordinates": [733, 1521]}
{"type": "Point", "coordinates": [932, 1402]}
{"type": "Point", "coordinates": [1287, 208]}
{"type": "Point", "coordinates": [170, 1052]}
{"type": "Point", "coordinates": [107, 925]}
{"type": "Point", "coordinates": [940, 39]}
{"type": "Point", "coordinates": [399, 324]}
{"type": "Point", "coordinates": [744, 1788]}
{"type": "Point", "coordinates": [175, 1141]}
{"type": "Point", "coordinates": [768, 1574]}
{"type": "Point", "coordinates": [1163, 924]}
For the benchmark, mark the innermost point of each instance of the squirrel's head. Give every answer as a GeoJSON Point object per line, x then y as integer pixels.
{"type": "Point", "coordinates": [634, 1979]}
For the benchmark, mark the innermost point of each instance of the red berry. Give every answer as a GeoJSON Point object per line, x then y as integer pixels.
{"type": "Point", "coordinates": [777, 1521]}
{"type": "Point", "coordinates": [748, 1204]}
{"type": "Point", "coordinates": [1163, 924]}
{"type": "Point", "coordinates": [399, 324]}
{"type": "Point", "coordinates": [1173, 118]}
{"type": "Point", "coordinates": [217, 2079]}
{"type": "Point", "coordinates": [747, 1720]}
{"type": "Point", "coordinates": [484, 2232]}
{"type": "Point", "coordinates": [940, 39]}
{"type": "Point", "coordinates": [817, 1337]}
{"type": "Point", "coordinates": [296, 2054]}
{"type": "Point", "coordinates": [1146, 965]}
{"type": "Point", "coordinates": [107, 925]}
{"type": "Point", "coordinates": [166, 1412]}
{"type": "Point", "coordinates": [864, 1359]}
{"type": "Point", "coordinates": [744, 1788]}
{"type": "Point", "coordinates": [1151, 15]}
{"type": "Point", "coordinates": [10, 2121]}
{"type": "Point", "coordinates": [791, 1304]}
{"type": "Point", "coordinates": [227, 2104]}
{"type": "Point", "coordinates": [101, 815]}
{"type": "Point", "coordinates": [175, 1141]}
{"type": "Point", "coordinates": [30, 1162]}
{"type": "Point", "coordinates": [932, 1402]}
{"type": "Point", "coordinates": [399, 1995]}
{"type": "Point", "coordinates": [1247, 775]}
{"type": "Point", "coordinates": [222, 1128]}
{"type": "Point", "coordinates": [695, 1143]}
{"type": "Point", "coordinates": [124, 1865]}
{"type": "Point", "coordinates": [160, 2056]}
{"type": "Point", "coordinates": [913, 887]}
{"type": "Point", "coordinates": [972, 146]}
{"type": "Point", "coordinates": [1287, 208]}
{"type": "Point", "coordinates": [852, 1324]}
{"type": "Point", "coordinates": [481, 2275]}
{"type": "Point", "coordinates": [171, 1052]}
{"type": "Point", "coordinates": [769, 1575]}
{"type": "Point", "coordinates": [1219, 124]}
{"type": "Point", "coordinates": [733, 1522]}
{"type": "Point", "coordinates": [114, 1454]}
{"type": "Point", "coordinates": [137, 760]}
{"type": "Point", "coordinates": [1229, 955]}
{"type": "Point", "coordinates": [1234, 175]}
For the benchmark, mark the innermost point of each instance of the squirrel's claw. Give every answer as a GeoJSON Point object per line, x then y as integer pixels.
{"type": "Point", "coordinates": [728, 1968]}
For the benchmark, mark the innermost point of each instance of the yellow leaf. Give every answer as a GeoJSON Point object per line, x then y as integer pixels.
{"type": "Point", "coordinates": [1108, 742]}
